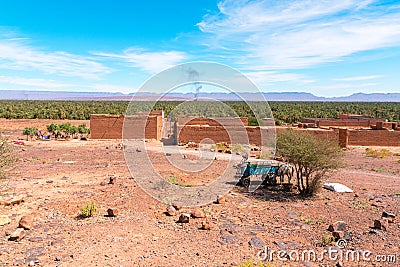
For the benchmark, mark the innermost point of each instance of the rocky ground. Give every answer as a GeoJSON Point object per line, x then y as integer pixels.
{"type": "Point", "coordinates": [56, 178]}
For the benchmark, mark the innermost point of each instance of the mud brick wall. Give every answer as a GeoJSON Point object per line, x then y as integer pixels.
{"type": "Point", "coordinates": [104, 126]}
{"type": "Point", "coordinates": [226, 121]}
{"type": "Point", "coordinates": [191, 133]}
{"type": "Point", "coordinates": [358, 123]}
{"type": "Point", "coordinates": [374, 138]}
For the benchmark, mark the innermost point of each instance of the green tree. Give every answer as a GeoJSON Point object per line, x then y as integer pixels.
{"type": "Point", "coordinates": [311, 156]}
{"type": "Point", "coordinates": [30, 132]}
{"type": "Point", "coordinates": [54, 129]}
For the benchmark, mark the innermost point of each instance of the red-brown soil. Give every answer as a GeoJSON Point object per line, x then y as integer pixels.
{"type": "Point", "coordinates": [57, 178]}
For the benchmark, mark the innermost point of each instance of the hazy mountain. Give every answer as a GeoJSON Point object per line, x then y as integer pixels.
{"type": "Point", "coordinates": [288, 96]}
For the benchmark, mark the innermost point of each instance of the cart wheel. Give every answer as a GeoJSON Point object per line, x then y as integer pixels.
{"type": "Point", "coordinates": [246, 182]}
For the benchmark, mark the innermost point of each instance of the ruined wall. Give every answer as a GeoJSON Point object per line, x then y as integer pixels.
{"type": "Point", "coordinates": [357, 123]}
{"type": "Point", "coordinates": [104, 126]}
{"type": "Point", "coordinates": [226, 121]}
{"type": "Point", "coordinates": [374, 138]}
{"type": "Point", "coordinates": [110, 127]}
{"type": "Point", "coordinates": [219, 134]}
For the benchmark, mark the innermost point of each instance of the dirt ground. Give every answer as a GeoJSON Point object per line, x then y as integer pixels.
{"type": "Point", "coordinates": [56, 178]}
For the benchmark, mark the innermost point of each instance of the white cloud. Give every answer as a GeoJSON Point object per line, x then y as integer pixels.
{"type": "Point", "coordinates": [261, 77]}
{"type": "Point", "coordinates": [359, 78]}
{"type": "Point", "coordinates": [151, 62]}
{"type": "Point", "coordinates": [33, 82]}
{"type": "Point", "coordinates": [268, 34]}
{"type": "Point", "coordinates": [16, 54]}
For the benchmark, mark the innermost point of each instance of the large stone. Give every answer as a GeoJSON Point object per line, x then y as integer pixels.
{"type": "Point", "coordinates": [381, 224]}
{"type": "Point", "coordinates": [17, 235]}
{"type": "Point", "coordinates": [220, 199]}
{"type": "Point", "coordinates": [171, 211]}
{"type": "Point", "coordinates": [390, 216]}
{"type": "Point", "coordinates": [112, 180]}
{"type": "Point", "coordinates": [338, 235]}
{"type": "Point", "coordinates": [208, 225]}
{"type": "Point", "coordinates": [26, 222]}
{"type": "Point", "coordinates": [338, 226]}
{"type": "Point", "coordinates": [255, 242]}
{"type": "Point", "coordinates": [184, 218]}
{"type": "Point", "coordinates": [4, 219]}
{"type": "Point", "coordinates": [112, 212]}
{"type": "Point", "coordinates": [198, 213]}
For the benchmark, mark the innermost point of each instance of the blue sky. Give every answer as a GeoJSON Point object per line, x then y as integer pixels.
{"type": "Point", "coordinates": [328, 48]}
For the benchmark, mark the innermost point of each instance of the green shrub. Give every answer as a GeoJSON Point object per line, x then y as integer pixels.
{"type": "Point", "coordinates": [88, 210]}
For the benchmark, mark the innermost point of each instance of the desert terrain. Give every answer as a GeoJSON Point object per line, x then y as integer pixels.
{"type": "Point", "coordinates": [56, 178]}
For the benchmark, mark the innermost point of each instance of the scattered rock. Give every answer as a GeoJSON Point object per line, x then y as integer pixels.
{"type": "Point", "coordinates": [35, 239]}
{"type": "Point", "coordinates": [381, 224]}
{"type": "Point", "coordinates": [112, 180]}
{"type": "Point", "coordinates": [220, 199]}
{"type": "Point", "coordinates": [208, 225]}
{"type": "Point", "coordinates": [168, 154]}
{"type": "Point", "coordinates": [227, 239]}
{"type": "Point", "coordinates": [15, 201]}
{"type": "Point", "coordinates": [57, 259]}
{"type": "Point", "coordinates": [49, 181]}
{"type": "Point", "coordinates": [112, 212]}
{"type": "Point", "coordinates": [338, 235]}
{"type": "Point", "coordinates": [390, 216]}
{"type": "Point", "coordinates": [171, 211]}
{"type": "Point", "coordinates": [17, 235]}
{"type": "Point", "coordinates": [184, 218]}
{"type": "Point", "coordinates": [255, 242]}
{"type": "Point", "coordinates": [338, 226]}
{"type": "Point", "coordinates": [281, 245]}
{"type": "Point", "coordinates": [375, 231]}
{"type": "Point", "coordinates": [138, 150]}
{"type": "Point", "coordinates": [301, 225]}
{"type": "Point", "coordinates": [177, 207]}
{"type": "Point", "coordinates": [198, 213]}
{"type": "Point", "coordinates": [103, 183]}
{"type": "Point", "coordinates": [4, 219]}
{"type": "Point", "coordinates": [26, 222]}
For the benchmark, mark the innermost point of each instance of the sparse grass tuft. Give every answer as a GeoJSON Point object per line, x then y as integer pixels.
{"type": "Point", "coordinates": [172, 180]}
{"type": "Point", "coordinates": [327, 239]}
{"type": "Point", "coordinates": [383, 153]}
{"type": "Point", "coordinates": [88, 210]}
{"type": "Point", "coordinates": [361, 204]}
{"type": "Point", "coordinates": [221, 147]}
{"type": "Point", "coordinates": [238, 148]}
{"type": "Point", "coordinates": [313, 220]}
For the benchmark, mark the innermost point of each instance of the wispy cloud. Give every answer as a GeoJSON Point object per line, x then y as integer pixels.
{"type": "Point", "coordinates": [268, 34]}
{"type": "Point", "coordinates": [260, 77]}
{"type": "Point", "coordinates": [359, 78]}
{"type": "Point", "coordinates": [151, 62]}
{"type": "Point", "coordinates": [17, 54]}
{"type": "Point", "coordinates": [33, 82]}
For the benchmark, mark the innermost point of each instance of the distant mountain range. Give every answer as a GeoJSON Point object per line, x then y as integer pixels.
{"type": "Point", "coordinates": [288, 96]}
